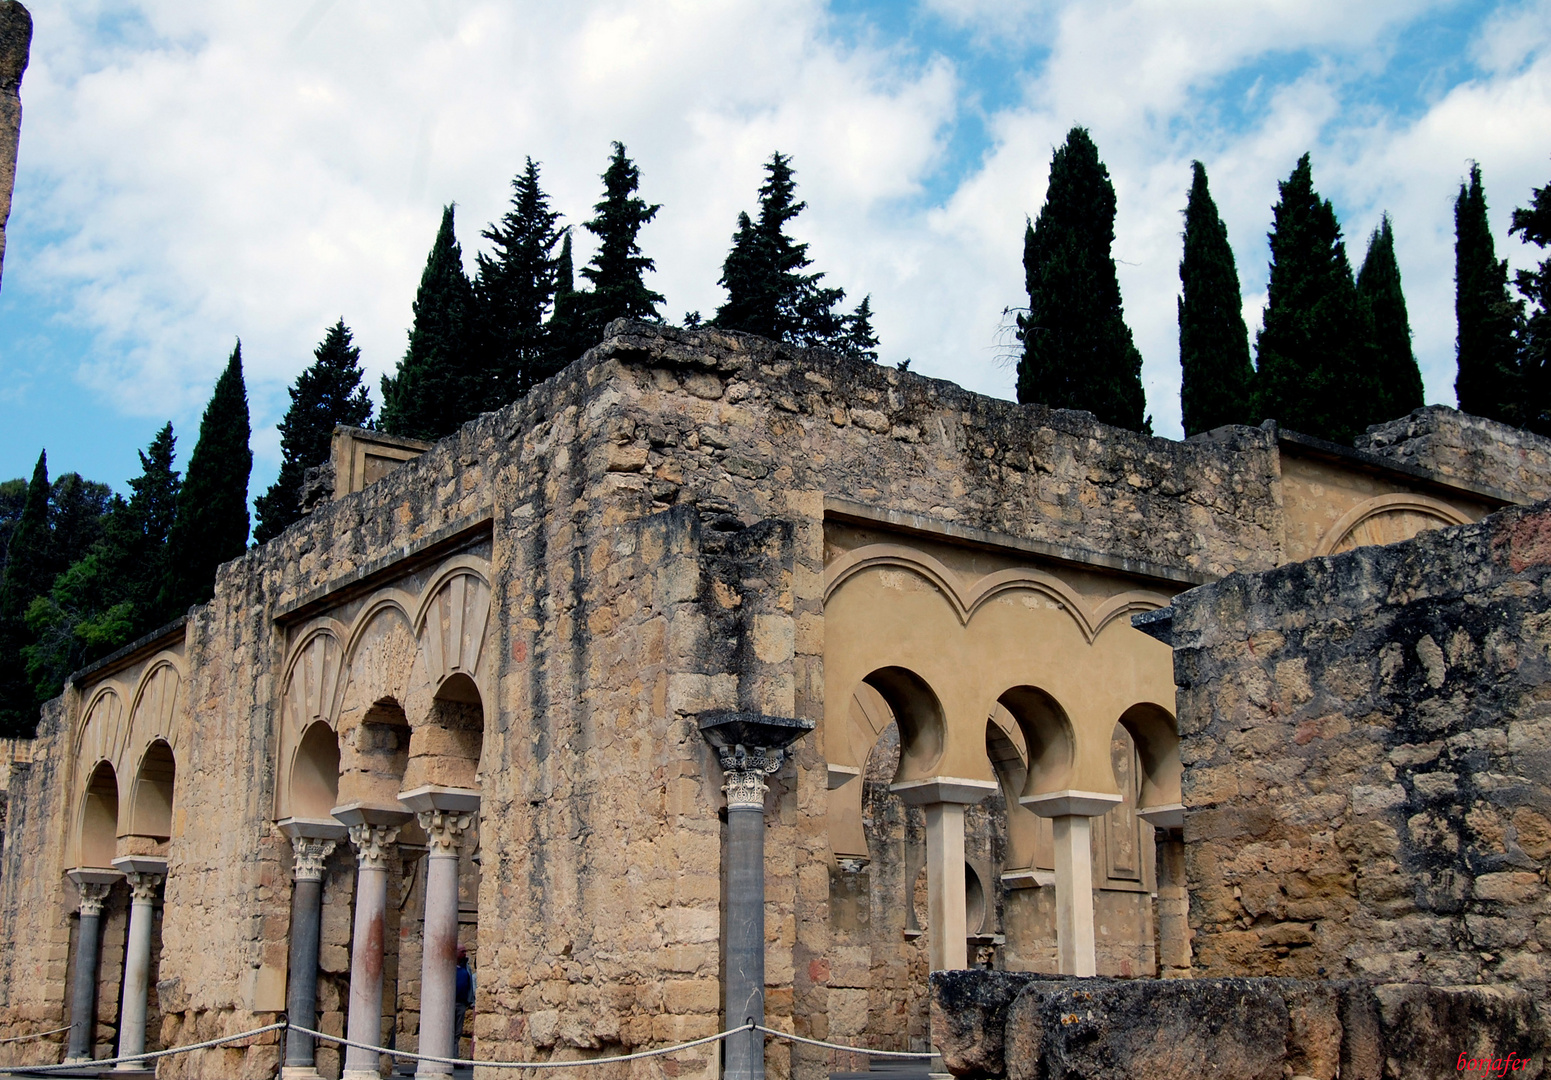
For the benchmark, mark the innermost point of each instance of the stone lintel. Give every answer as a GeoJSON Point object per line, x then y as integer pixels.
{"type": "Point", "coordinates": [1164, 815]}
{"type": "Point", "coordinates": [313, 828]}
{"type": "Point", "coordinates": [141, 864]}
{"type": "Point", "coordinates": [943, 789]}
{"type": "Point", "coordinates": [1071, 803]}
{"type": "Point", "coordinates": [364, 813]}
{"type": "Point", "coordinates": [430, 797]}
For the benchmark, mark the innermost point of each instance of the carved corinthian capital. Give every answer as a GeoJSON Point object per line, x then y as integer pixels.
{"type": "Point", "coordinates": [745, 769]}
{"type": "Point", "coordinates": [93, 895]}
{"type": "Point", "coordinates": [445, 829]}
{"type": "Point", "coordinates": [311, 854]}
{"type": "Point", "coordinates": [373, 844]}
{"type": "Point", "coordinates": [142, 886]}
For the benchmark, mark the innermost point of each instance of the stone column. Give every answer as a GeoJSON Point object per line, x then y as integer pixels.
{"type": "Point", "coordinates": [93, 886]}
{"type": "Point", "coordinates": [944, 799]}
{"type": "Point", "coordinates": [312, 842]}
{"type": "Point", "coordinates": [446, 815]}
{"type": "Point", "coordinates": [1173, 898]}
{"type": "Point", "coordinates": [373, 830]}
{"type": "Point", "coordinates": [144, 875]}
{"type": "Point", "coordinates": [749, 747]}
{"type": "Point", "coordinates": [1071, 815]}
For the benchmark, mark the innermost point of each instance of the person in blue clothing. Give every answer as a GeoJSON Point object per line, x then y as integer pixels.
{"type": "Point", "coordinates": [463, 999]}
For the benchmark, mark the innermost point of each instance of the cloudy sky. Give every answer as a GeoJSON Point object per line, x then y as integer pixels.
{"type": "Point", "coordinates": [194, 172]}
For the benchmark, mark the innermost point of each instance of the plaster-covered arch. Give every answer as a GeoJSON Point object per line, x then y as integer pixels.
{"type": "Point", "coordinates": [1153, 729]}
{"type": "Point", "coordinates": [1387, 519]}
{"type": "Point", "coordinates": [156, 712]}
{"type": "Point", "coordinates": [150, 801]}
{"type": "Point", "coordinates": [97, 822]}
{"type": "Point", "coordinates": [312, 689]}
{"type": "Point", "coordinates": [312, 781]}
{"type": "Point", "coordinates": [104, 730]}
{"type": "Point", "coordinates": [451, 622]}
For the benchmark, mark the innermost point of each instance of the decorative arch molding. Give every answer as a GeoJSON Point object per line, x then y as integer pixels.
{"type": "Point", "coordinates": [315, 675]}
{"type": "Point", "coordinates": [104, 730]}
{"type": "Point", "coordinates": [382, 602]}
{"type": "Point", "coordinates": [154, 714]}
{"type": "Point", "coordinates": [452, 619]}
{"type": "Point", "coordinates": [966, 600]}
{"type": "Point", "coordinates": [1384, 506]}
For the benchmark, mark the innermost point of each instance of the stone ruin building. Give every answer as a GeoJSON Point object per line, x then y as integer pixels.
{"type": "Point", "coordinates": [472, 699]}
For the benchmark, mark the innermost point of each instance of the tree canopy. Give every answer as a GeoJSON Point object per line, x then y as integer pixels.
{"type": "Point", "coordinates": [1398, 377]}
{"type": "Point", "coordinates": [1216, 378]}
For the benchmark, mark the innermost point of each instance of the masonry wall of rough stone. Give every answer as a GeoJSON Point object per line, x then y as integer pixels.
{"type": "Point", "coordinates": [1367, 751]}
{"type": "Point", "coordinates": [1472, 449]}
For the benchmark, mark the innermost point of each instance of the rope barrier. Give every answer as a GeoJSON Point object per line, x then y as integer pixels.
{"type": "Point", "coordinates": [35, 1035]}
{"type": "Point", "coordinates": [147, 1056]}
{"type": "Point", "coordinates": [637, 1056]}
{"type": "Point", "coordinates": [660, 1051]}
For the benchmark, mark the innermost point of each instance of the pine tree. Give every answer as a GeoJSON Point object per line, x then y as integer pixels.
{"type": "Point", "coordinates": [859, 338]}
{"type": "Point", "coordinates": [513, 289]}
{"type": "Point", "coordinates": [436, 389]}
{"type": "Point", "coordinates": [1216, 379]}
{"type": "Point", "coordinates": [1317, 357]}
{"type": "Point", "coordinates": [211, 526]}
{"type": "Point", "coordinates": [1487, 383]}
{"type": "Point", "coordinates": [327, 393]}
{"type": "Point", "coordinates": [564, 338]}
{"type": "Point", "coordinates": [615, 270]}
{"type": "Point", "coordinates": [1533, 223]}
{"type": "Point", "coordinates": [1078, 352]}
{"type": "Point", "coordinates": [28, 573]}
{"type": "Point", "coordinates": [1399, 378]}
{"type": "Point", "coordinates": [767, 293]}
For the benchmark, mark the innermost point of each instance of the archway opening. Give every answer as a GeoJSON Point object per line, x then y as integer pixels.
{"type": "Point", "coordinates": [375, 755]}
{"type": "Point", "coordinates": [922, 727]}
{"type": "Point", "coordinates": [1048, 738]}
{"type": "Point", "coordinates": [445, 749]}
{"type": "Point", "coordinates": [99, 818]}
{"type": "Point", "coordinates": [1153, 730]}
{"type": "Point", "coordinates": [315, 773]}
{"type": "Point", "coordinates": [1008, 750]}
{"type": "Point", "coordinates": [150, 811]}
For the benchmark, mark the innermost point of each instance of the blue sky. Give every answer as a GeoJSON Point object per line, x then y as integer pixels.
{"type": "Point", "coordinates": [192, 173]}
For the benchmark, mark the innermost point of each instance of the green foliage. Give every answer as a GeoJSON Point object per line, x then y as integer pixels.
{"type": "Point", "coordinates": [211, 526]}
{"type": "Point", "coordinates": [327, 393]}
{"type": "Point", "coordinates": [1078, 352]}
{"type": "Point", "coordinates": [434, 390]}
{"type": "Point", "coordinates": [1533, 223]}
{"type": "Point", "coordinates": [767, 293]}
{"type": "Point", "coordinates": [1217, 381]}
{"type": "Point", "coordinates": [13, 496]}
{"type": "Point", "coordinates": [616, 269]}
{"type": "Point", "coordinates": [513, 288]}
{"type": "Point", "coordinates": [860, 339]}
{"type": "Point", "coordinates": [1317, 357]}
{"type": "Point", "coordinates": [1399, 378]}
{"type": "Point", "coordinates": [1487, 383]}
{"type": "Point", "coordinates": [28, 572]}
{"type": "Point", "coordinates": [565, 337]}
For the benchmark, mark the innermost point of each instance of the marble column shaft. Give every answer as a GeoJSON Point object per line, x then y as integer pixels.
{"type": "Point", "coordinates": [137, 965]}
{"type": "Point", "coordinates": [88, 946]}
{"type": "Point", "coordinates": [439, 940]}
{"type": "Point", "coordinates": [745, 770]}
{"type": "Point", "coordinates": [374, 845]}
{"type": "Point", "coordinates": [301, 998]}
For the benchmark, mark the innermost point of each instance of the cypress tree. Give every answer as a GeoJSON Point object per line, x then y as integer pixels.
{"type": "Point", "coordinates": [13, 496]}
{"type": "Point", "coordinates": [435, 389]}
{"type": "Point", "coordinates": [211, 525]}
{"type": "Point", "coordinates": [513, 288]}
{"type": "Point", "coordinates": [1078, 352]}
{"type": "Point", "coordinates": [615, 270]}
{"type": "Point", "coordinates": [1533, 223]}
{"type": "Point", "coordinates": [1216, 379]}
{"type": "Point", "coordinates": [28, 573]}
{"type": "Point", "coordinates": [1487, 383]}
{"type": "Point", "coordinates": [1399, 378]}
{"type": "Point", "coordinates": [564, 339]}
{"type": "Point", "coordinates": [1317, 357]}
{"type": "Point", "coordinates": [767, 293]}
{"type": "Point", "coordinates": [859, 337]}
{"type": "Point", "coordinates": [327, 393]}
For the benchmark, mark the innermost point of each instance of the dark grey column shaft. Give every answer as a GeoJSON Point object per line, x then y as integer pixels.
{"type": "Point", "coordinates": [301, 997]}
{"type": "Point", "coordinates": [83, 997]}
{"type": "Point", "coordinates": [746, 938]}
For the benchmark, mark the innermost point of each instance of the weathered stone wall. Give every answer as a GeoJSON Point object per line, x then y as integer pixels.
{"type": "Point", "coordinates": [1470, 449]}
{"type": "Point", "coordinates": [989, 1024]}
{"type": "Point", "coordinates": [1367, 753]}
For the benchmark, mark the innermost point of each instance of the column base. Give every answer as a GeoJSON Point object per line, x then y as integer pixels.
{"type": "Point", "coordinates": [431, 1068]}
{"type": "Point", "coordinates": [300, 1072]}
{"type": "Point", "coordinates": [360, 1074]}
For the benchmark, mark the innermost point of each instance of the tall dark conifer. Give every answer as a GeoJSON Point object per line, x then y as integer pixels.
{"type": "Point", "coordinates": [1487, 383]}
{"type": "Point", "coordinates": [767, 292]}
{"type": "Point", "coordinates": [860, 339]}
{"type": "Point", "coordinates": [211, 526]}
{"type": "Point", "coordinates": [1533, 223]}
{"type": "Point", "coordinates": [1077, 349]}
{"type": "Point", "coordinates": [1216, 378]}
{"type": "Point", "coordinates": [437, 388]}
{"type": "Point", "coordinates": [29, 571]}
{"type": "Point", "coordinates": [618, 291]}
{"type": "Point", "coordinates": [1399, 378]}
{"type": "Point", "coordinates": [1317, 357]}
{"type": "Point", "coordinates": [564, 337]}
{"type": "Point", "coordinates": [328, 392]}
{"type": "Point", "coordinates": [513, 287]}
